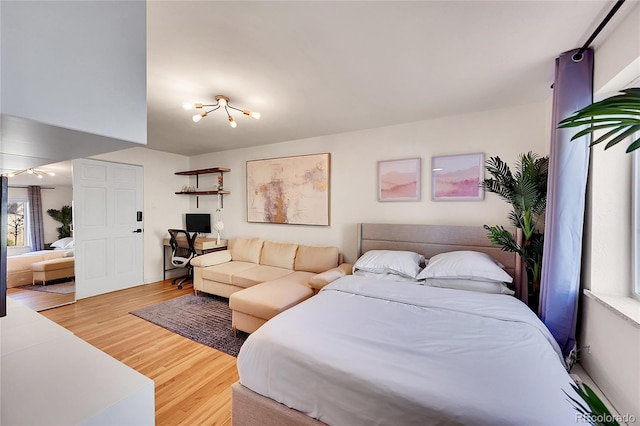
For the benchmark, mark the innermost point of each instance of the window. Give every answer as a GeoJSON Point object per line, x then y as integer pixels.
{"type": "Point", "coordinates": [635, 189]}
{"type": "Point", "coordinates": [17, 229]}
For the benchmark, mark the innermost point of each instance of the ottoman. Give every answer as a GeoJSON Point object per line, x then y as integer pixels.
{"type": "Point", "coordinates": [53, 269]}
{"type": "Point", "coordinates": [255, 305]}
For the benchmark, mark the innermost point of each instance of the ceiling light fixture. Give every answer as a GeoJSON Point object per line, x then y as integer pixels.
{"type": "Point", "coordinates": [37, 173]}
{"type": "Point", "coordinates": [221, 101]}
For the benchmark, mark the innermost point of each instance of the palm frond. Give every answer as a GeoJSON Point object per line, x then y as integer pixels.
{"type": "Point", "coordinates": [591, 406]}
{"type": "Point", "coordinates": [620, 114]}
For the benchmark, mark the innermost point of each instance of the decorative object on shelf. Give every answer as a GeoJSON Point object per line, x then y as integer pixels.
{"type": "Point", "coordinates": [526, 191]}
{"type": "Point", "coordinates": [457, 177]}
{"type": "Point", "coordinates": [221, 102]}
{"type": "Point", "coordinates": [291, 190]}
{"type": "Point", "coordinates": [619, 114]}
{"type": "Point", "coordinates": [35, 172]}
{"type": "Point", "coordinates": [399, 180]}
{"type": "Point", "coordinates": [190, 190]}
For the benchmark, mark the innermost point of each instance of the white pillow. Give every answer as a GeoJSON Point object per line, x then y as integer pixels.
{"type": "Point", "coordinates": [387, 276]}
{"type": "Point", "coordinates": [62, 242]}
{"type": "Point", "coordinates": [471, 285]}
{"type": "Point", "coordinates": [405, 263]}
{"type": "Point", "coordinates": [469, 265]}
{"type": "Point", "coordinates": [70, 246]}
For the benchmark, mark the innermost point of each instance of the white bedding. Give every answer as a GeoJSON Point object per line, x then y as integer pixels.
{"type": "Point", "coordinates": [366, 351]}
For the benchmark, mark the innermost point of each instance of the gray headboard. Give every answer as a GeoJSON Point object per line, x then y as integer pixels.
{"type": "Point", "coordinates": [429, 240]}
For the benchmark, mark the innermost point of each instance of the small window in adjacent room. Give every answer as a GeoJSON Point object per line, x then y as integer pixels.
{"type": "Point", "coordinates": [17, 229]}
{"type": "Point", "coordinates": [635, 189]}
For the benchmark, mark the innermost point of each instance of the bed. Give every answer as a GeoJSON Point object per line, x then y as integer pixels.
{"type": "Point", "coordinates": [367, 351]}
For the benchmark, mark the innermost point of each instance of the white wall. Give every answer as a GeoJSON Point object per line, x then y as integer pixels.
{"type": "Point", "coordinates": [163, 209]}
{"type": "Point", "coordinates": [613, 356]}
{"type": "Point", "coordinates": [54, 199]}
{"type": "Point", "coordinates": [52, 74]}
{"type": "Point", "coordinates": [505, 132]}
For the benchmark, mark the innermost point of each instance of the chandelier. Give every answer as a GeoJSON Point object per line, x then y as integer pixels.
{"type": "Point", "coordinates": [221, 102]}
{"type": "Point", "coordinates": [37, 173]}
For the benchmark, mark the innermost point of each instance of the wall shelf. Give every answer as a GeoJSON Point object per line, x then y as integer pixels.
{"type": "Point", "coordinates": [203, 192]}
{"type": "Point", "coordinates": [197, 173]}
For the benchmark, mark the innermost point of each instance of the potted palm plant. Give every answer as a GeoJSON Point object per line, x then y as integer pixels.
{"type": "Point", "coordinates": [619, 115]}
{"type": "Point", "coordinates": [526, 191]}
{"type": "Point", "coordinates": [64, 216]}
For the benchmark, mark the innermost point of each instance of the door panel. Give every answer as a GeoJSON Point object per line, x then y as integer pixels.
{"type": "Point", "coordinates": [109, 253]}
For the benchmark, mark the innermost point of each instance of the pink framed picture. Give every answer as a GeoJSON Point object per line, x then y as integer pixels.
{"type": "Point", "coordinates": [399, 180]}
{"type": "Point", "coordinates": [457, 177]}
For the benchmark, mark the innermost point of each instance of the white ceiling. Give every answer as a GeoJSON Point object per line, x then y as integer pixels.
{"type": "Point", "coordinates": [320, 68]}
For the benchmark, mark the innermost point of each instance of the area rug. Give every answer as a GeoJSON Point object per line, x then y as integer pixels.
{"type": "Point", "coordinates": [67, 287]}
{"type": "Point", "coordinates": [204, 319]}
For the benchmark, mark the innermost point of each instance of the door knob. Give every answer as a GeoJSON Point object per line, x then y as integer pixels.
{"type": "Point", "coordinates": [137, 231]}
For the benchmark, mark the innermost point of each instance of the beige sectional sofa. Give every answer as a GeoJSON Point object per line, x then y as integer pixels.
{"type": "Point", "coordinates": [262, 278]}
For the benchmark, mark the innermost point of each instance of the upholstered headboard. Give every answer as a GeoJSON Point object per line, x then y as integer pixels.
{"type": "Point", "coordinates": [429, 240]}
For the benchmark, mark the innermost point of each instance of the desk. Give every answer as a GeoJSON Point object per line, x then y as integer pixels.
{"type": "Point", "coordinates": [202, 245]}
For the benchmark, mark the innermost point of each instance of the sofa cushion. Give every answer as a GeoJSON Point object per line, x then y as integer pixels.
{"type": "Point", "coordinates": [210, 259]}
{"type": "Point", "coordinates": [258, 275]}
{"type": "Point", "coordinates": [246, 249]}
{"type": "Point", "coordinates": [316, 259]}
{"type": "Point", "coordinates": [224, 272]}
{"type": "Point", "coordinates": [280, 255]}
{"type": "Point", "coordinates": [269, 299]}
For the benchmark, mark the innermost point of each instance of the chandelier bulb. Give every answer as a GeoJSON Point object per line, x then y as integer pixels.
{"type": "Point", "coordinates": [198, 117]}
{"type": "Point", "coordinates": [189, 105]}
{"type": "Point", "coordinates": [51, 173]}
{"type": "Point", "coordinates": [222, 102]}
{"type": "Point", "coordinates": [12, 174]}
{"type": "Point", "coordinates": [39, 176]}
{"type": "Point", "coordinates": [253, 114]}
{"type": "Point", "coordinates": [232, 122]}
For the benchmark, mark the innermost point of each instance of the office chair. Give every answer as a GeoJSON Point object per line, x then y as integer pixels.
{"type": "Point", "coordinates": [182, 254]}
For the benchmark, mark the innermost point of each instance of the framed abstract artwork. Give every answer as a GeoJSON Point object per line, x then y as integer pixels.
{"type": "Point", "coordinates": [399, 180]}
{"type": "Point", "coordinates": [289, 190]}
{"type": "Point", "coordinates": [457, 177]}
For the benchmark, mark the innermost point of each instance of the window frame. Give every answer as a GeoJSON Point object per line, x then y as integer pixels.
{"type": "Point", "coordinates": [26, 225]}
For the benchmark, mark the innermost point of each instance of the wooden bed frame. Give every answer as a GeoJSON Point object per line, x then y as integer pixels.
{"type": "Point", "coordinates": [252, 409]}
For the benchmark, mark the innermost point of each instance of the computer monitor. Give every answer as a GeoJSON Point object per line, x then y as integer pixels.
{"type": "Point", "coordinates": [198, 222]}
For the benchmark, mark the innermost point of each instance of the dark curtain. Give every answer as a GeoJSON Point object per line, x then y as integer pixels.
{"type": "Point", "coordinates": [36, 236]}
{"type": "Point", "coordinates": [568, 168]}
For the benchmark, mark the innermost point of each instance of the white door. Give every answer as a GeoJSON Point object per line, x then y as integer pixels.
{"type": "Point", "coordinates": [107, 228]}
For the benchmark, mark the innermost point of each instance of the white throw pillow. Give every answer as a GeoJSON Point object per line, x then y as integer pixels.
{"type": "Point", "coordinates": [470, 265]}
{"type": "Point", "coordinates": [387, 277]}
{"type": "Point", "coordinates": [62, 243]}
{"type": "Point", "coordinates": [404, 263]}
{"type": "Point", "coordinates": [70, 246]}
{"type": "Point", "coordinates": [470, 285]}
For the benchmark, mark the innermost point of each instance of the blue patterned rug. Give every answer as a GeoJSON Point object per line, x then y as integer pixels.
{"type": "Point", "coordinates": [205, 319]}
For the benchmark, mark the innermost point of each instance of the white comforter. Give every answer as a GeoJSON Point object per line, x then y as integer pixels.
{"type": "Point", "coordinates": [365, 352]}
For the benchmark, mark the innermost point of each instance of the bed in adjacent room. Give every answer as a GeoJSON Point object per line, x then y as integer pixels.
{"type": "Point", "coordinates": [390, 351]}
{"type": "Point", "coordinates": [19, 271]}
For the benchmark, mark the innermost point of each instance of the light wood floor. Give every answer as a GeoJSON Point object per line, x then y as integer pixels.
{"type": "Point", "coordinates": [192, 381]}
{"type": "Point", "coordinates": [39, 300]}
